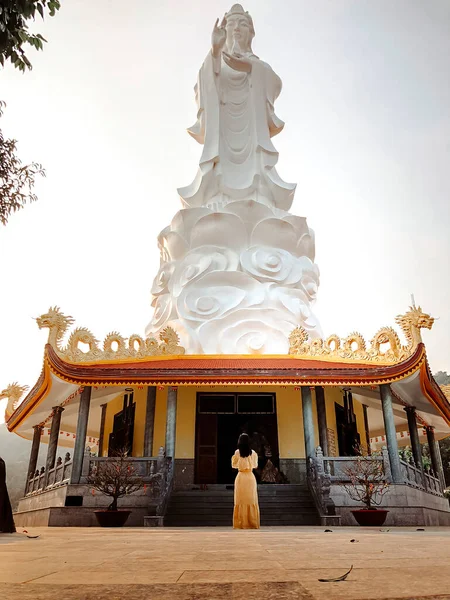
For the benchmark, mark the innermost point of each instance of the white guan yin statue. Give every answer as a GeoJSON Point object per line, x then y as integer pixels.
{"type": "Point", "coordinates": [237, 270]}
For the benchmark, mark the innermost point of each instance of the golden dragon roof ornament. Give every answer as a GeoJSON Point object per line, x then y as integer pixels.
{"type": "Point", "coordinates": [115, 347]}
{"type": "Point", "coordinates": [13, 393]}
{"type": "Point", "coordinates": [384, 347]}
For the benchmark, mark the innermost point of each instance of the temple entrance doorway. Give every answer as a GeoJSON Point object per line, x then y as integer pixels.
{"type": "Point", "coordinates": [221, 418]}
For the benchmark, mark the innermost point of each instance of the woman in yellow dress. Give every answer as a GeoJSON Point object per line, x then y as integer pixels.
{"type": "Point", "coordinates": [246, 508]}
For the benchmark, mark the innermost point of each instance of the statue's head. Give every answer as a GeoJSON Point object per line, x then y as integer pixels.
{"type": "Point", "coordinates": [240, 30]}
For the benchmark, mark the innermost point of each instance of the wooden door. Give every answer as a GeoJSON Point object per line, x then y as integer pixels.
{"type": "Point", "coordinates": [206, 449]}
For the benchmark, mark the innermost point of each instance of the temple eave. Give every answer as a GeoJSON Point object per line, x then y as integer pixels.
{"type": "Point", "coordinates": [206, 370]}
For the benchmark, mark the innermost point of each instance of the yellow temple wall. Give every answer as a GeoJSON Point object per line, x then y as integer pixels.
{"type": "Point", "coordinates": [113, 407]}
{"type": "Point", "coordinates": [291, 440]}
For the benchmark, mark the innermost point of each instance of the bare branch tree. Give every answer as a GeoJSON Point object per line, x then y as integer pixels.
{"type": "Point", "coordinates": [367, 479]}
{"type": "Point", "coordinates": [115, 478]}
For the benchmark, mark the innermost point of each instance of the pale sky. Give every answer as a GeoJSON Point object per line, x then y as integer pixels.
{"type": "Point", "coordinates": [366, 101]}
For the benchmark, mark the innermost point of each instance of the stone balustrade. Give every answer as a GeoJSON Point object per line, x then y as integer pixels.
{"type": "Point", "coordinates": [57, 476]}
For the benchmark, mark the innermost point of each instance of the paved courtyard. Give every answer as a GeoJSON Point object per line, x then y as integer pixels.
{"type": "Point", "coordinates": [215, 564]}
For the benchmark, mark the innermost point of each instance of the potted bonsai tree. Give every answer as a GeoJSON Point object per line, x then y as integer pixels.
{"type": "Point", "coordinates": [367, 485]}
{"type": "Point", "coordinates": [115, 477]}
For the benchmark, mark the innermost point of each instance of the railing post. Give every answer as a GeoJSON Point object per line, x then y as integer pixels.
{"type": "Point", "coordinates": [86, 464]}
{"type": "Point", "coordinates": [386, 464]}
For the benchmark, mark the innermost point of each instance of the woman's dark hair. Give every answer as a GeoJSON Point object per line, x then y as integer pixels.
{"type": "Point", "coordinates": [244, 445]}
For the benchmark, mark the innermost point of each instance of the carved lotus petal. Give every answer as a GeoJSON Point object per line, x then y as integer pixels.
{"type": "Point", "coordinates": [297, 303]}
{"type": "Point", "coordinates": [200, 261]}
{"type": "Point", "coordinates": [185, 219]}
{"type": "Point", "coordinates": [306, 245]}
{"type": "Point", "coordinates": [275, 233]}
{"type": "Point", "coordinates": [250, 212]}
{"type": "Point", "coordinates": [218, 293]}
{"type": "Point", "coordinates": [271, 264]}
{"type": "Point", "coordinates": [172, 245]}
{"type": "Point", "coordinates": [219, 229]}
{"type": "Point", "coordinates": [161, 281]}
{"type": "Point", "coordinates": [298, 223]}
{"type": "Point", "coordinates": [247, 331]}
{"type": "Point", "coordinates": [164, 310]}
{"type": "Point", "coordinates": [310, 277]}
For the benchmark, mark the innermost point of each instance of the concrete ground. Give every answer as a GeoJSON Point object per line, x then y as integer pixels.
{"type": "Point", "coordinates": [218, 563]}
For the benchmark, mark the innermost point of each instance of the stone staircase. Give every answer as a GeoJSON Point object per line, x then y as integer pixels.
{"type": "Point", "coordinates": [279, 505]}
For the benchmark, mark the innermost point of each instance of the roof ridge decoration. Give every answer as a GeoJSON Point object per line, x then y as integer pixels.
{"type": "Point", "coordinates": [13, 393]}
{"type": "Point", "coordinates": [354, 347]}
{"type": "Point", "coordinates": [137, 347]}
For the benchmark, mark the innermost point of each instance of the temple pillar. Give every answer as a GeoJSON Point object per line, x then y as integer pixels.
{"type": "Point", "coordinates": [34, 453]}
{"type": "Point", "coordinates": [308, 422]}
{"type": "Point", "coordinates": [322, 419]}
{"type": "Point", "coordinates": [53, 441]}
{"type": "Point", "coordinates": [366, 429]}
{"type": "Point", "coordinates": [149, 420]}
{"type": "Point", "coordinates": [102, 429]}
{"type": "Point", "coordinates": [80, 440]}
{"type": "Point", "coordinates": [414, 435]}
{"type": "Point", "coordinates": [171, 421]}
{"type": "Point", "coordinates": [391, 434]}
{"type": "Point", "coordinates": [435, 455]}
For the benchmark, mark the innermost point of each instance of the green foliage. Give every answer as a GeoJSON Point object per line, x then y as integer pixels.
{"type": "Point", "coordinates": [14, 33]}
{"type": "Point", "coordinates": [16, 180]}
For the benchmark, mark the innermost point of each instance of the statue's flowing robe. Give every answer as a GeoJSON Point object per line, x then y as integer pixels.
{"type": "Point", "coordinates": [6, 516]}
{"type": "Point", "coordinates": [235, 123]}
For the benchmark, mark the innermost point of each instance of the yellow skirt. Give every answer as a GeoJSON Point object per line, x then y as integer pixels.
{"type": "Point", "coordinates": [246, 508]}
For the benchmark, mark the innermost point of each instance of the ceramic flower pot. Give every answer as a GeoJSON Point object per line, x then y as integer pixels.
{"type": "Point", "coordinates": [112, 518]}
{"type": "Point", "coordinates": [373, 517]}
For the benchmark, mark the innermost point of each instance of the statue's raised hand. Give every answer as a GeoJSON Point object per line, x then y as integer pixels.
{"type": "Point", "coordinates": [238, 63]}
{"type": "Point", "coordinates": [218, 37]}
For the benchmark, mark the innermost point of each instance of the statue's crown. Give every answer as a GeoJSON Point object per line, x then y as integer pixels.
{"type": "Point", "coordinates": [237, 9]}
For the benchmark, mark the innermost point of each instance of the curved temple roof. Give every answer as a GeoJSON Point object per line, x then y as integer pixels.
{"type": "Point", "coordinates": [61, 378]}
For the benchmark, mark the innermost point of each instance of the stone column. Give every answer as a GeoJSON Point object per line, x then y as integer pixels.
{"type": "Point", "coordinates": [53, 441]}
{"type": "Point", "coordinates": [435, 455]}
{"type": "Point", "coordinates": [391, 434]}
{"type": "Point", "coordinates": [414, 435]}
{"type": "Point", "coordinates": [149, 420]}
{"type": "Point", "coordinates": [80, 440]}
{"type": "Point", "coordinates": [101, 436]}
{"type": "Point", "coordinates": [171, 422]}
{"type": "Point", "coordinates": [308, 422]}
{"type": "Point", "coordinates": [366, 429]}
{"type": "Point", "coordinates": [322, 418]}
{"type": "Point", "coordinates": [34, 453]}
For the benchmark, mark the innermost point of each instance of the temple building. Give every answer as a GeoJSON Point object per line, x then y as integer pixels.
{"type": "Point", "coordinates": [233, 346]}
